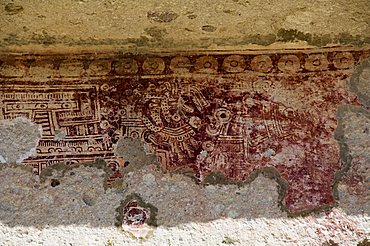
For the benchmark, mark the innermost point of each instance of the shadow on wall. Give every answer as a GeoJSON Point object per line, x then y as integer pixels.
{"type": "Point", "coordinates": [146, 194]}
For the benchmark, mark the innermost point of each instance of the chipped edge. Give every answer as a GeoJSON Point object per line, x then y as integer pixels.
{"type": "Point", "coordinates": [98, 163]}
{"type": "Point", "coordinates": [353, 83]}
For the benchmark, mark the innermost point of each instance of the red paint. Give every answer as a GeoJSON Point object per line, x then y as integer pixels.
{"type": "Point", "coordinates": [228, 113]}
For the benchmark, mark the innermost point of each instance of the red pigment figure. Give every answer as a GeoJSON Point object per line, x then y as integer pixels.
{"type": "Point", "coordinates": [232, 114]}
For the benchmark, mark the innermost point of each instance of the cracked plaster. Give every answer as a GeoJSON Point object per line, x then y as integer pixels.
{"type": "Point", "coordinates": [18, 138]}
{"type": "Point", "coordinates": [74, 206]}
{"type": "Point", "coordinates": [78, 194]}
{"type": "Point", "coordinates": [187, 218]}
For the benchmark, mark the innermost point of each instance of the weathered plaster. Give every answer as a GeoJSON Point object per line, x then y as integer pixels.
{"type": "Point", "coordinates": [134, 152]}
{"type": "Point", "coordinates": [360, 82]}
{"type": "Point", "coordinates": [78, 200]}
{"type": "Point", "coordinates": [82, 188]}
{"type": "Point", "coordinates": [187, 213]}
{"type": "Point", "coordinates": [194, 117]}
{"type": "Point", "coordinates": [354, 124]}
{"type": "Point", "coordinates": [189, 24]}
{"type": "Point", "coordinates": [18, 138]}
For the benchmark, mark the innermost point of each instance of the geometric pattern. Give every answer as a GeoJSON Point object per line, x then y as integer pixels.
{"type": "Point", "coordinates": [230, 112]}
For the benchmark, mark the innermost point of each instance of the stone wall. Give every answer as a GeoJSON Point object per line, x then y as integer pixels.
{"type": "Point", "coordinates": [177, 123]}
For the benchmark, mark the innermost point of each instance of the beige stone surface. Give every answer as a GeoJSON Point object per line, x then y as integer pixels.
{"type": "Point", "coordinates": [182, 24]}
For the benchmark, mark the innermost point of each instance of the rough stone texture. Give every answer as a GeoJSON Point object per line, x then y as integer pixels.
{"type": "Point", "coordinates": [111, 119]}
{"type": "Point", "coordinates": [183, 24]}
{"type": "Point", "coordinates": [336, 227]}
{"type": "Point", "coordinates": [33, 212]}
{"type": "Point", "coordinates": [75, 206]}
{"type": "Point", "coordinates": [18, 138]}
{"type": "Point", "coordinates": [360, 82]}
{"type": "Point", "coordinates": [134, 153]}
{"type": "Point", "coordinates": [80, 198]}
{"type": "Point", "coordinates": [179, 200]}
{"type": "Point", "coordinates": [356, 133]}
{"type": "Point", "coordinates": [231, 114]}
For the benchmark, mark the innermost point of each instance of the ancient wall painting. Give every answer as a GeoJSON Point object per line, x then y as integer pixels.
{"type": "Point", "coordinates": [231, 113]}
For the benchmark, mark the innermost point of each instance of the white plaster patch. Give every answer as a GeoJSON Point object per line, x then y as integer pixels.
{"type": "Point", "coordinates": [147, 149]}
{"type": "Point", "coordinates": [149, 179]}
{"type": "Point", "coordinates": [18, 139]}
{"type": "Point", "coordinates": [269, 152]}
{"type": "Point", "coordinates": [60, 135]}
{"type": "Point", "coordinates": [25, 155]}
{"type": "Point", "coordinates": [203, 154]}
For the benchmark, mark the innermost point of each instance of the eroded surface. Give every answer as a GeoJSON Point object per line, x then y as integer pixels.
{"type": "Point", "coordinates": [175, 24]}
{"type": "Point", "coordinates": [79, 208]}
{"type": "Point", "coordinates": [18, 138]}
{"type": "Point", "coordinates": [356, 125]}
{"type": "Point", "coordinates": [158, 199]}
{"type": "Point", "coordinates": [226, 113]}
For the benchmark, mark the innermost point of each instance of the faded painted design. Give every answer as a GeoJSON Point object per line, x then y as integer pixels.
{"type": "Point", "coordinates": [230, 113]}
